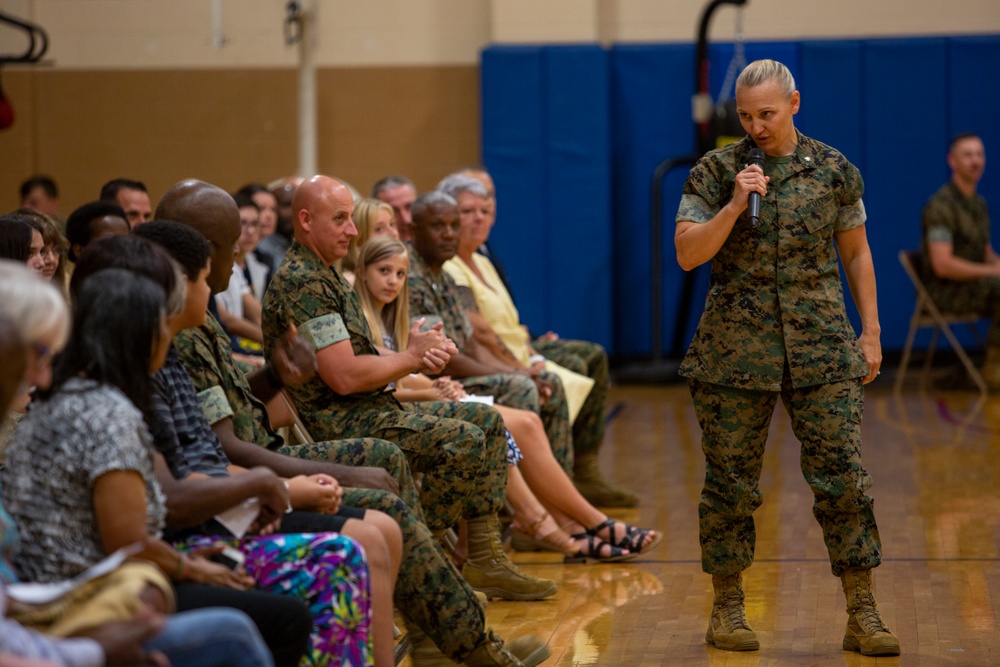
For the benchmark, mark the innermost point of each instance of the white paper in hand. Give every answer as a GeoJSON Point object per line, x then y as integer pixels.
{"type": "Point", "coordinates": [238, 519]}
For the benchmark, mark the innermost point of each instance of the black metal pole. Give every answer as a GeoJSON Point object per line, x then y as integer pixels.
{"type": "Point", "coordinates": [703, 143]}
{"type": "Point", "coordinates": [701, 71]}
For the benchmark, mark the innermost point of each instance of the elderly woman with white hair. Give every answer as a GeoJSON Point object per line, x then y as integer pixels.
{"type": "Point", "coordinates": [41, 316]}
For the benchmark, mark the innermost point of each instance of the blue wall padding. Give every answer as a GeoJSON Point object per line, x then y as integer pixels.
{"type": "Point", "coordinates": [905, 130]}
{"type": "Point", "coordinates": [550, 158]}
{"type": "Point", "coordinates": [514, 150]}
{"type": "Point", "coordinates": [890, 105]}
{"type": "Point", "coordinates": [974, 103]}
{"type": "Point", "coordinates": [830, 79]}
{"type": "Point", "coordinates": [651, 109]}
{"type": "Point", "coordinates": [578, 200]}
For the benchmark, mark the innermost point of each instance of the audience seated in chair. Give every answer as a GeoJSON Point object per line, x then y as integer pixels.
{"type": "Point", "coordinates": [267, 207]}
{"type": "Point", "coordinates": [382, 290]}
{"type": "Point", "coordinates": [206, 638]}
{"type": "Point", "coordinates": [91, 222]}
{"type": "Point", "coordinates": [328, 571]}
{"type": "Point", "coordinates": [40, 193]}
{"type": "Point", "coordinates": [54, 248]}
{"type": "Point", "coordinates": [496, 324]}
{"type": "Point", "coordinates": [21, 240]}
{"type": "Point", "coordinates": [372, 217]}
{"type": "Point", "coordinates": [399, 192]}
{"type": "Point", "coordinates": [959, 266]}
{"type": "Point", "coordinates": [132, 196]}
{"type": "Point", "coordinates": [452, 617]}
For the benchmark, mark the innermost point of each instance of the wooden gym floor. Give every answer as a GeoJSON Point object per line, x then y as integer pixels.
{"type": "Point", "coordinates": [937, 492]}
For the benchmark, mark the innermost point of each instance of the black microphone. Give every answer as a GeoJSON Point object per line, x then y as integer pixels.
{"type": "Point", "coordinates": [753, 201]}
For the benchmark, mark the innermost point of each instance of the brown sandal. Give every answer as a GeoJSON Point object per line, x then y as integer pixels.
{"type": "Point", "coordinates": [528, 539]}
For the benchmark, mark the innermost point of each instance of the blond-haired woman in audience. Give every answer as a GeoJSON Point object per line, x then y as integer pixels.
{"type": "Point", "coordinates": [372, 217]}
{"type": "Point", "coordinates": [549, 513]}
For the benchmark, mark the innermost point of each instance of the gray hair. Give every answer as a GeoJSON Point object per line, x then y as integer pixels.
{"type": "Point", "coordinates": [37, 309]}
{"type": "Point", "coordinates": [431, 201]}
{"type": "Point", "coordinates": [457, 184]}
{"type": "Point", "coordinates": [762, 71]}
{"type": "Point", "coordinates": [390, 182]}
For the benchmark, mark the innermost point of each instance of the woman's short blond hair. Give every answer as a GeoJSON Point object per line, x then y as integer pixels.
{"type": "Point", "coordinates": [762, 71]}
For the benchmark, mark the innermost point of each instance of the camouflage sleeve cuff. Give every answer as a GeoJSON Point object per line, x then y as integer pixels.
{"type": "Point", "coordinates": [941, 234]}
{"type": "Point", "coordinates": [214, 404]}
{"type": "Point", "coordinates": [695, 209]}
{"type": "Point", "coordinates": [324, 331]}
{"type": "Point", "coordinates": [851, 216]}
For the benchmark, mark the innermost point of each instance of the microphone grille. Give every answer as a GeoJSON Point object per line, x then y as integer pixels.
{"type": "Point", "coordinates": [756, 157]}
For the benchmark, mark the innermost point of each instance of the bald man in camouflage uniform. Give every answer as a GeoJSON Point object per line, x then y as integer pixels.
{"type": "Point", "coordinates": [958, 264]}
{"type": "Point", "coordinates": [775, 326]}
{"type": "Point", "coordinates": [434, 294]}
{"type": "Point", "coordinates": [460, 447]}
{"type": "Point", "coordinates": [429, 591]}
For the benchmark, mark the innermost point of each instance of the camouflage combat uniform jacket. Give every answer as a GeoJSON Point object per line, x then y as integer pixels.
{"type": "Point", "coordinates": [962, 221]}
{"type": "Point", "coordinates": [436, 295]}
{"type": "Point", "coordinates": [326, 310]}
{"type": "Point", "coordinates": [222, 389]}
{"type": "Point", "coordinates": [775, 291]}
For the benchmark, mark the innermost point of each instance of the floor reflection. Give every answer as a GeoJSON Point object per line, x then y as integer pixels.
{"type": "Point", "coordinates": [933, 456]}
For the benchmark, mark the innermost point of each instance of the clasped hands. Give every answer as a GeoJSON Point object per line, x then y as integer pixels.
{"type": "Point", "coordinates": [431, 348]}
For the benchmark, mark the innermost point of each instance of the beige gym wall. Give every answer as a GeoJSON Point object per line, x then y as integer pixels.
{"type": "Point", "coordinates": [161, 90]}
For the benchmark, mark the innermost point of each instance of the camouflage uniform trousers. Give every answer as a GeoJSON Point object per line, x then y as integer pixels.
{"type": "Point", "coordinates": [591, 360]}
{"type": "Point", "coordinates": [430, 592]}
{"type": "Point", "coordinates": [460, 447]}
{"type": "Point", "coordinates": [826, 419]}
{"type": "Point", "coordinates": [518, 391]}
{"type": "Point", "coordinates": [962, 297]}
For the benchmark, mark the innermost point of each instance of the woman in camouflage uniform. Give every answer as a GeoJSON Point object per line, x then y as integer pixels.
{"type": "Point", "coordinates": [775, 326]}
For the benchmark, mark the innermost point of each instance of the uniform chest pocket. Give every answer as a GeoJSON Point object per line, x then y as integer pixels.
{"type": "Point", "coordinates": [818, 214]}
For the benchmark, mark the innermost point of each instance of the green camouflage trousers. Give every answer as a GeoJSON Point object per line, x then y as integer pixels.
{"type": "Point", "coordinates": [970, 296]}
{"type": "Point", "coordinates": [826, 419]}
{"type": "Point", "coordinates": [518, 391]}
{"type": "Point", "coordinates": [461, 448]}
{"type": "Point", "coordinates": [430, 593]}
{"type": "Point", "coordinates": [591, 360]}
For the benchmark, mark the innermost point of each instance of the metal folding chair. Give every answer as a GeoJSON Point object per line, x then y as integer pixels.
{"type": "Point", "coordinates": [927, 314]}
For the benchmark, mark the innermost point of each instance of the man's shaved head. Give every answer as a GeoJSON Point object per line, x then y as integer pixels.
{"type": "Point", "coordinates": [312, 191]}
{"type": "Point", "coordinates": [211, 211]}
{"type": "Point", "coordinates": [322, 209]}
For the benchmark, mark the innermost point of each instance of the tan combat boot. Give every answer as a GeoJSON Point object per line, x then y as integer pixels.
{"type": "Point", "coordinates": [522, 652]}
{"type": "Point", "coordinates": [527, 651]}
{"type": "Point", "coordinates": [728, 628]}
{"type": "Point", "coordinates": [489, 569]}
{"type": "Point", "coordinates": [865, 630]}
{"type": "Point", "coordinates": [591, 484]}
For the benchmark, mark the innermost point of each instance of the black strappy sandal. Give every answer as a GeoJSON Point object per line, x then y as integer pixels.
{"type": "Point", "coordinates": [632, 539]}
{"type": "Point", "coordinates": [595, 545]}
